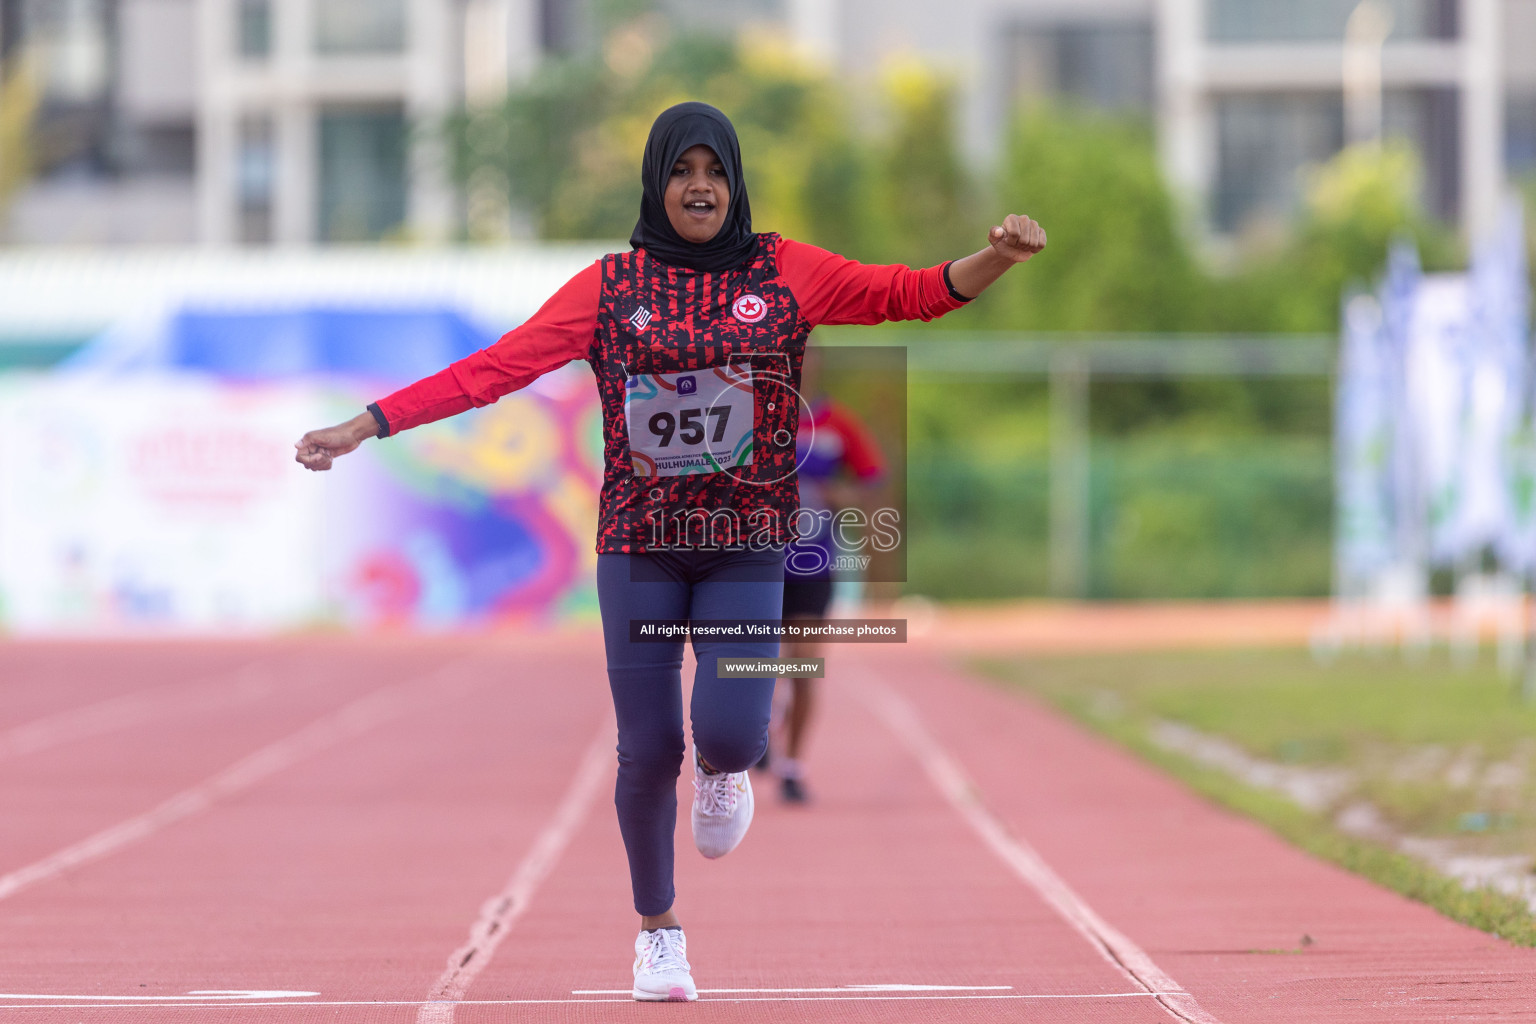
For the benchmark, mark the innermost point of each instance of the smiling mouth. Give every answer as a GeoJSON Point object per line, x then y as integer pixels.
{"type": "Point", "coordinates": [699, 206]}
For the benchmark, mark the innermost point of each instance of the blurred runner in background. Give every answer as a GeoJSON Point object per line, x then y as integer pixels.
{"type": "Point", "coordinates": [840, 464]}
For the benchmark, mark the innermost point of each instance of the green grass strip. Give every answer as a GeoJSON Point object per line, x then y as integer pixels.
{"type": "Point", "coordinates": [1486, 909]}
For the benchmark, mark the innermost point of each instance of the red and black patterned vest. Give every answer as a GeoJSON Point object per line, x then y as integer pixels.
{"type": "Point", "coordinates": [657, 318]}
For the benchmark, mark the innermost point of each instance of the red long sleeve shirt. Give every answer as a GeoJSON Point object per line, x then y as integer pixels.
{"type": "Point", "coordinates": [827, 288]}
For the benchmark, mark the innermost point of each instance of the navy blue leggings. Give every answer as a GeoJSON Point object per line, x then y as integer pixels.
{"type": "Point", "coordinates": [730, 716]}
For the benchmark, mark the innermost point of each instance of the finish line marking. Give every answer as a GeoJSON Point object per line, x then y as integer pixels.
{"type": "Point", "coordinates": [851, 997]}
{"type": "Point", "coordinates": [902, 719]}
{"type": "Point", "coordinates": [501, 911]}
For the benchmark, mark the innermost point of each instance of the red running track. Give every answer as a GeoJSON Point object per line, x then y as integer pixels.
{"type": "Point", "coordinates": [421, 832]}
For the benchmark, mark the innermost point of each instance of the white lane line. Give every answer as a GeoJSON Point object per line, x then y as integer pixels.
{"type": "Point", "coordinates": [851, 989]}
{"type": "Point", "coordinates": [945, 772]}
{"type": "Point", "coordinates": [250, 682]}
{"type": "Point", "coordinates": [346, 722]}
{"type": "Point", "coordinates": [203, 994]}
{"type": "Point", "coordinates": [855, 998]}
{"type": "Point", "coordinates": [500, 912]}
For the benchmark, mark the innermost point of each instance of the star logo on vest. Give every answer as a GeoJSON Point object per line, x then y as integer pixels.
{"type": "Point", "coordinates": [749, 309]}
{"type": "Point", "coordinates": [641, 318]}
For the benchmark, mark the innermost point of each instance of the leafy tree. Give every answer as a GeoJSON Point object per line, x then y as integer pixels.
{"type": "Point", "coordinates": [1116, 260]}
{"type": "Point", "coordinates": [566, 146]}
{"type": "Point", "coordinates": [923, 210]}
{"type": "Point", "coordinates": [1355, 205]}
{"type": "Point", "coordinates": [895, 188]}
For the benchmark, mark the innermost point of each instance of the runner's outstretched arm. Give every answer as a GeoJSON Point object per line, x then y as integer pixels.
{"type": "Point", "coordinates": [559, 332]}
{"type": "Point", "coordinates": [831, 289]}
{"type": "Point", "coordinates": [1014, 241]}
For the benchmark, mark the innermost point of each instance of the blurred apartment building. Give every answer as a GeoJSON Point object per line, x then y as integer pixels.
{"type": "Point", "coordinates": [1243, 92]}
{"type": "Point", "coordinates": [233, 121]}
{"type": "Point", "coordinates": [296, 122]}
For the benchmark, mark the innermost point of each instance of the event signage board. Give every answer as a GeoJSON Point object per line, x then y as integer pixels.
{"type": "Point", "coordinates": [154, 503]}
{"type": "Point", "coordinates": [170, 502]}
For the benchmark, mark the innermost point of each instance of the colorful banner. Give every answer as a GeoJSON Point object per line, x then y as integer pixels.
{"type": "Point", "coordinates": [487, 516]}
{"type": "Point", "coordinates": [1438, 362]}
{"type": "Point", "coordinates": [1434, 429]}
{"type": "Point", "coordinates": [171, 503]}
{"type": "Point", "coordinates": [1501, 317]}
{"type": "Point", "coordinates": [1365, 414]}
{"type": "Point", "coordinates": [1397, 291]}
{"type": "Point", "coordinates": [158, 503]}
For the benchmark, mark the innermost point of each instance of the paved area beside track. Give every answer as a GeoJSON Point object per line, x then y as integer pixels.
{"type": "Point", "coordinates": [421, 831]}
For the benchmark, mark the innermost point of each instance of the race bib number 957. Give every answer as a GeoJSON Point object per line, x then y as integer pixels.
{"type": "Point", "coordinates": [693, 421]}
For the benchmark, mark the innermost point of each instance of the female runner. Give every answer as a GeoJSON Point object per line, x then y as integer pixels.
{"type": "Point", "coordinates": [696, 337]}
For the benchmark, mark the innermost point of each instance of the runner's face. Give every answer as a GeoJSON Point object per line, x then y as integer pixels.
{"type": "Point", "coordinates": [698, 195]}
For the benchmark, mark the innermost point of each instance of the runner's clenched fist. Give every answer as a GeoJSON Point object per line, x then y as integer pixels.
{"type": "Point", "coordinates": [319, 448]}
{"type": "Point", "coordinates": [1010, 243]}
{"type": "Point", "coordinates": [1017, 238]}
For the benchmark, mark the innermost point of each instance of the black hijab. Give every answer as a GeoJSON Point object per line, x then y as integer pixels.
{"type": "Point", "coordinates": [677, 130]}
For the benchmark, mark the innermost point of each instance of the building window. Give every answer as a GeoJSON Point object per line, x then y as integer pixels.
{"type": "Point", "coordinates": [1263, 21]}
{"type": "Point", "coordinates": [1101, 64]}
{"type": "Point", "coordinates": [362, 173]}
{"type": "Point", "coordinates": [73, 41]}
{"type": "Point", "coordinates": [559, 26]}
{"type": "Point", "coordinates": [159, 148]}
{"type": "Point", "coordinates": [1262, 142]}
{"type": "Point", "coordinates": [69, 46]}
{"type": "Point", "coordinates": [253, 29]}
{"type": "Point", "coordinates": [359, 26]}
{"type": "Point", "coordinates": [255, 172]}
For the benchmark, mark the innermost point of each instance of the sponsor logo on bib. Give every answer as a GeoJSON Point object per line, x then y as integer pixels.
{"type": "Point", "coordinates": [687, 385]}
{"type": "Point", "coordinates": [749, 309]}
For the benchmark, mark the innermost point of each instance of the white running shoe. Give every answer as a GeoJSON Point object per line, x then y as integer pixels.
{"type": "Point", "coordinates": [662, 974]}
{"type": "Point", "coordinates": [722, 810]}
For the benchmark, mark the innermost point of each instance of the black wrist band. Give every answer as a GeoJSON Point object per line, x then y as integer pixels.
{"type": "Point", "coordinates": [378, 414]}
{"type": "Point", "coordinates": [951, 286]}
